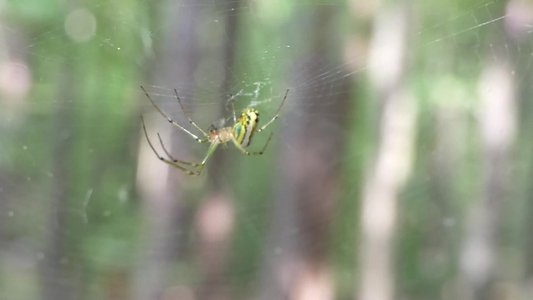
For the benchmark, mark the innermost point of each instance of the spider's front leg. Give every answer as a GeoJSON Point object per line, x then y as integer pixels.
{"type": "Point", "coordinates": [176, 124]}
{"type": "Point", "coordinates": [276, 116]}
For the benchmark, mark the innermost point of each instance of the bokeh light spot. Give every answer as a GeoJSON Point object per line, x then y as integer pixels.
{"type": "Point", "coordinates": [80, 25]}
{"type": "Point", "coordinates": [15, 78]}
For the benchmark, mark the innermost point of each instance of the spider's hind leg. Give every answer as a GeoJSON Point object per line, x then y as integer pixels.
{"type": "Point", "coordinates": [172, 162]}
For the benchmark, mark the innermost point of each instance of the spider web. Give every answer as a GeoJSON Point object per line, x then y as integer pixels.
{"type": "Point", "coordinates": [104, 213]}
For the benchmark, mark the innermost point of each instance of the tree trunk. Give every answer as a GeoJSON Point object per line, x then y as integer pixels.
{"type": "Point", "coordinates": [479, 257]}
{"type": "Point", "coordinates": [59, 278]}
{"type": "Point", "coordinates": [392, 163]}
{"type": "Point", "coordinates": [296, 264]}
{"type": "Point", "coordinates": [216, 214]}
{"type": "Point", "coordinates": [161, 186]}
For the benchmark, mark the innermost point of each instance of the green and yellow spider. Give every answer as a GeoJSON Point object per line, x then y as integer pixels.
{"type": "Point", "coordinates": [240, 134]}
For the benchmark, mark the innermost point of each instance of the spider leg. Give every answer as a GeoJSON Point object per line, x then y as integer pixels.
{"type": "Point", "coordinates": [276, 115]}
{"type": "Point", "coordinates": [245, 152]}
{"type": "Point", "coordinates": [187, 115]}
{"type": "Point", "coordinates": [172, 162]}
{"type": "Point", "coordinates": [199, 167]}
{"type": "Point", "coordinates": [171, 121]}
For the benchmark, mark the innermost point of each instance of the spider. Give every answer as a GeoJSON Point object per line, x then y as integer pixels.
{"type": "Point", "coordinates": [240, 134]}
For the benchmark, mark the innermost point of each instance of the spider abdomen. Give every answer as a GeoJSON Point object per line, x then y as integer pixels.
{"type": "Point", "coordinates": [245, 127]}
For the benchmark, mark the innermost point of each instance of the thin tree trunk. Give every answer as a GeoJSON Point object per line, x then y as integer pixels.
{"type": "Point", "coordinates": [296, 264]}
{"type": "Point", "coordinates": [216, 214]}
{"type": "Point", "coordinates": [58, 277]}
{"type": "Point", "coordinates": [392, 162]}
{"type": "Point", "coordinates": [479, 256]}
{"type": "Point", "coordinates": [161, 186]}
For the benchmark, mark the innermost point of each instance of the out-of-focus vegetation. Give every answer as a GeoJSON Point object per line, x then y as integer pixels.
{"type": "Point", "coordinates": [398, 169]}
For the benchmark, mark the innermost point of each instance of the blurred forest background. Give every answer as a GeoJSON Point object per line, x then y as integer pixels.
{"type": "Point", "coordinates": [398, 169]}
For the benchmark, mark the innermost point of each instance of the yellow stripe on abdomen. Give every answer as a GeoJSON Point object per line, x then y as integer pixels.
{"type": "Point", "coordinates": [245, 127]}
